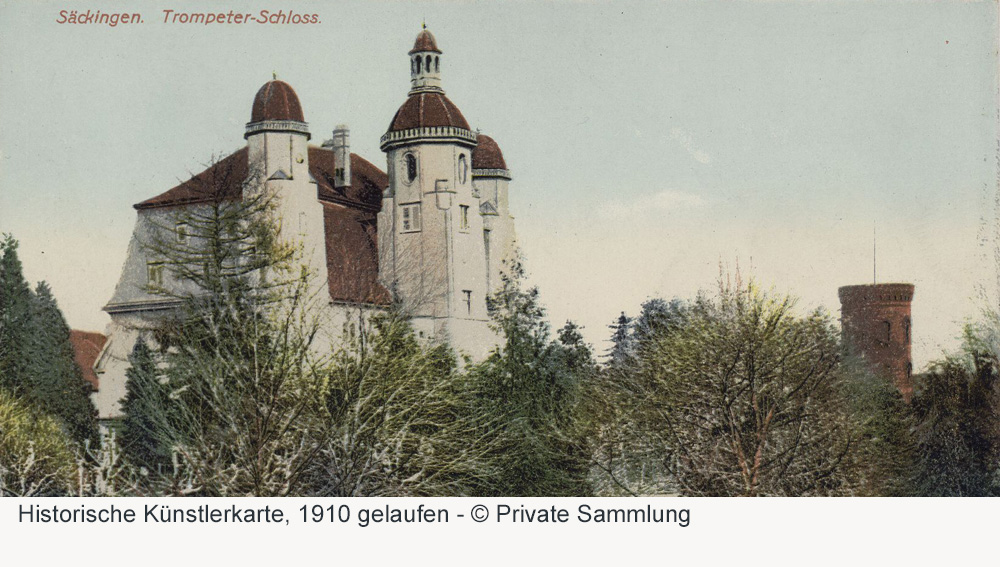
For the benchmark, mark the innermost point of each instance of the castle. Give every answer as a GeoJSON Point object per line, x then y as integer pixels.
{"type": "Point", "coordinates": [434, 227]}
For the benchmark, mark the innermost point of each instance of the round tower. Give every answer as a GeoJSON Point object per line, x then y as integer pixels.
{"type": "Point", "coordinates": [431, 250]}
{"type": "Point", "coordinates": [491, 179]}
{"type": "Point", "coordinates": [876, 324]}
{"type": "Point", "coordinates": [278, 161]}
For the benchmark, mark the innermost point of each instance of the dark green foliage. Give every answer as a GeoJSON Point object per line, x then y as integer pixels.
{"type": "Point", "coordinates": [531, 387]}
{"type": "Point", "coordinates": [36, 356]}
{"type": "Point", "coordinates": [885, 452]}
{"type": "Point", "coordinates": [15, 318]}
{"type": "Point", "coordinates": [58, 387]}
{"type": "Point", "coordinates": [145, 410]}
{"type": "Point", "coordinates": [657, 319]}
{"type": "Point", "coordinates": [957, 406]}
{"type": "Point", "coordinates": [622, 351]}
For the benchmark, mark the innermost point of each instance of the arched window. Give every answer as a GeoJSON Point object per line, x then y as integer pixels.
{"type": "Point", "coordinates": [411, 167]}
{"type": "Point", "coordinates": [427, 63]}
{"type": "Point", "coordinates": [463, 168]}
{"type": "Point", "coordinates": [906, 327]}
{"type": "Point", "coordinates": [437, 64]}
{"type": "Point", "coordinates": [887, 328]}
{"type": "Point", "coordinates": [909, 370]}
{"type": "Point", "coordinates": [415, 65]}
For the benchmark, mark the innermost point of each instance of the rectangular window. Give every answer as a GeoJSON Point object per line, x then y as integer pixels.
{"type": "Point", "coordinates": [468, 300]}
{"type": "Point", "coordinates": [409, 220]}
{"type": "Point", "coordinates": [463, 219]}
{"type": "Point", "coordinates": [182, 232]}
{"type": "Point", "coordinates": [154, 275]}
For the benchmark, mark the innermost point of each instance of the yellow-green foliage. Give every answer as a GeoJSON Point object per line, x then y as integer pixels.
{"type": "Point", "coordinates": [36, 456]}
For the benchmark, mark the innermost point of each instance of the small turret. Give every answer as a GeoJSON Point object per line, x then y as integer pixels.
{"type": "Point", "coordinates": [425, 64]}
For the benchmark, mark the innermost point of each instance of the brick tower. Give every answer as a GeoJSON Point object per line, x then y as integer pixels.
{"type": "Point", "coordinates": [875, 321]}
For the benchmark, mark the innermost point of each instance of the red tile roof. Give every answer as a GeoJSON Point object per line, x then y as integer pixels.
{"type": "Point", "coordinates": [426, 110]}
{"type": "Point", "coordinates": [223, 178]}
{"type": "Point", "coordinates": [352, 256]}
{"type": "Point", "coordinates": [425, 42]}
{"type": "Point", "coordinates": [349, 212]}
{"type": "Point", "coordinates": [487, 154]}
{"type": "Point", "coordinates": [276, 100]}
{"type": "Point", "coordinates": [86, 348]}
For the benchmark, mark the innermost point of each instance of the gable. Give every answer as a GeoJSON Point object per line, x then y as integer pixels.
{"type": "Point", "coordinates": [349, 214]}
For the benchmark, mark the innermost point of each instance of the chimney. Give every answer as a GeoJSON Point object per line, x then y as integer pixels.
{"type": "Point", "coordinates": [342, 156]}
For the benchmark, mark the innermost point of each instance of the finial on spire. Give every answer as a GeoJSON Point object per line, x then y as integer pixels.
{"type": "Point", "coordinates": [274, 75]}
{"type": "Point", "coordinates": [425, 23]}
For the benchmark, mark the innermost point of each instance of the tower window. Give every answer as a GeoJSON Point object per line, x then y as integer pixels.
{"type": "Point", "coordinates": [887, 330]}
{"type": "Point", "coordinates": [437, 64]}
{"type": "Point", "coordinates": [906, 327]}
{"type": "Point", "coordinates": [427, 63]}
{"type": "Point", "coordinates": [468, 300]}
{"type": "Point", "coordinates": [154, 275]}
{"type": "Point", "coordinates": [182, 232]}
{"type": "Point", "coordinates": [463, 168]}
{"type": "Point", "coordinates": [463, 217]}
{"type": "Point", "coordinates": [486, 245]}
{"type": "Point", "coordinates": [411, 167]}
{"type": "Point", "coordinates": [409, 217]}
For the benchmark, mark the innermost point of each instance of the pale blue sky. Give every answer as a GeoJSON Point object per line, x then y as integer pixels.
{"type": "Point", "coordinates": [648, 141]}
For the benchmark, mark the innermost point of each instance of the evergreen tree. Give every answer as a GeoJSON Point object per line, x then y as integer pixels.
{"type": "Point", "coordinates": [656, 319]}
{"type": "Point", "coordinates": [57, 384]}
{"type": "Point", "coordinates": [143, 435]}
{"type": "Point", "coordinates": [36, 356]}
{"type": "Point", "coordinates": [622, 351]}
{"type": "Point", "coordinates": [15, 318]}
{"type": "Point", "coordinates": [247, 388]}
{"type": "Point", "coordinates": [530, 389]}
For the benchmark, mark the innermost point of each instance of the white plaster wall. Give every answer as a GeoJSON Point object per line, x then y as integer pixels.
{"type": "Point", "coordinates": [434, 267]}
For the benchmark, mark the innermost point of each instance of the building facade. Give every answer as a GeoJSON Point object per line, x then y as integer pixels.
{"type": "Point", "coordinates": [433, 231]}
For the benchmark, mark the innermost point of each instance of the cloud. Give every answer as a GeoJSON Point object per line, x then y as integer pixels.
{"type": "Point", "coordinates": [684, 139]}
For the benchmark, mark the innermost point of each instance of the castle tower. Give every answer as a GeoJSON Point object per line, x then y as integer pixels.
{"type": "Point", "coordinates": [431, 250]}
{"type": "Point", "coordinates": [278, 156]}
{"type": "Point", "coordinates": [491, 178]}
{"type": "Point", "coordinates": [876, 324]}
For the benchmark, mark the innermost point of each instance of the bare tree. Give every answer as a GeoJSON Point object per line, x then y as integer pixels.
{"type": "Point", "coordinates": [744, 398]}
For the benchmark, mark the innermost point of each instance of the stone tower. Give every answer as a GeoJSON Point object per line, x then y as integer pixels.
{"type": "Point", "coordinates": [876, 324]}
{"type": "Point", "coordinates": [278, 156]}
{"type": "Point", "coordinates": [491, 178]}
{"type": "Point", "coordinates": [431, 248]}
